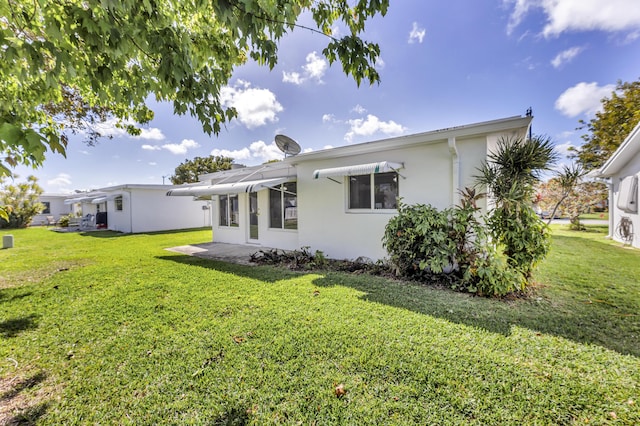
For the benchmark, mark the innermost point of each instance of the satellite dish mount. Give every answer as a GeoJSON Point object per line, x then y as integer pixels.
{"type": "Point", "coordinates": [287, 145]}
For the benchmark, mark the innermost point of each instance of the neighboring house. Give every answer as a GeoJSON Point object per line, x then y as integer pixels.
{"type": "Point", "coordinates": [139, 208]}
{"type": "Point", "coordinates": [339, 200]}
{"type": "Point", "coordinates": [54, 209]}
{"type": "Point", "coordinates": [623, 171]}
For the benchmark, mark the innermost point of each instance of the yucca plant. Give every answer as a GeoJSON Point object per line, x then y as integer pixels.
{"type": "Point", "coordinates": [510, 175]}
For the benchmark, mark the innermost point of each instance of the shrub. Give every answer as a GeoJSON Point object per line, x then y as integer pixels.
{"type": "Point", "coordinates": [526, 238]}
{"type": "Point", "coordinates": [449, 246]}
{"type": "Point", "coordinates": [64, 221]}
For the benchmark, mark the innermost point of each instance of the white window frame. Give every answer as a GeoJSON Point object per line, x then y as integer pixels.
{"type": "Point", "coordinates": [372, 190]}
{"type": "Point", "coordinates": [283, 210]}
{"type": "Point", "coordinates": [229, 211]}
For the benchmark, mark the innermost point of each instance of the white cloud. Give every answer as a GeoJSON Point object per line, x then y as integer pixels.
{"type": "Point", "coordinates": [182, 147]}
{"type": "Point", "coordinates": [564, 149]}
{"type": "Point", "coordinates": [61, 180]}
{"type": "Point", "coordinates": [583, 98]}
{"type": "Point", "coordinates": [153, 163]}
{"type": "Point", "coordinates": [151, 147]}
{"type": "Point", "coordinates": [256, 107]}
{"type": "Point", "coordinates": [258, 150]}
{"type": "Point", "coordinates": [265, 152]}
{"type": "Point", "coordinates": [152, 133]}
{"type": "Point", "coordinates": [292, 77]}
{"type": "Point", "coordinates": [578, 15]}
{"type": "Point", "coordinates": [109, 128]}
{"type": "Point", "coordinates": [417, 34]}
{"type": "Point", "coordinates": [359, 109]}
{"type": "Point", "coordinates": [314, 69]}
{"type": "Point", "coordinates": [328, 118]}
{"type": "Point", "coordinates": [566, 56]}
{"type": "Point", "coordinates": [372, 125]}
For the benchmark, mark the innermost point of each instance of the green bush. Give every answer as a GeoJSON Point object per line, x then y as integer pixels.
{"type": "Point", "coordinates": [449, 246]}
{"type": "Point", "coordinates": [526, 238]}
{"type": "Point", "coordinates": [64, 221]}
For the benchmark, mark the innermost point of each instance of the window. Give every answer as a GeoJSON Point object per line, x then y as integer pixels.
{"type": "Point", "coordinates": [229, 211]}
{"type": "Point", "coordinates": [47, 207]}
{"type": "Point", "coordinates": [118, 203]}
{"type": "Point", "coordinates": [283, 206]}
{"type": "Point", "coordinates": [377, 191]}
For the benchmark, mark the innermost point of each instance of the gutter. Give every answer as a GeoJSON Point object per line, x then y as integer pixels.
{"type": "Point", "coordinates": [455, 170]}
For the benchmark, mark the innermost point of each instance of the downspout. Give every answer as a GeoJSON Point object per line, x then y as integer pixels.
{"type": "Point", "coordinates": [611, 209]}
{"type": "Point", "coordinates": [130, 212]}
{"type": "Point", "coordinates": [455, 171]}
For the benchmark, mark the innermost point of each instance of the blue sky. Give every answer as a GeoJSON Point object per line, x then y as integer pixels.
{"type": "Point", "coordinates": [442, 64]}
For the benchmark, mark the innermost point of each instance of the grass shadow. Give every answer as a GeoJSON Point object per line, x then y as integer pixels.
{"type": "Point", "coordinates": [263, 273]}
{"type": "Point", "coordinates": [112, 234]}
{"type": "Point", "coordinates": [29, 416]}
{"type": "Point", "coordinates": [536, 313]}
{"type": "Point", "coordinates": [17, 408]}
{"type": "Point", "coordinates": [14, 326]}
{"type": "Point", "coordinates": [6, 299]}
{"type": "Point", "coordinates": [21, 386]}
{"type": "Point", "coordinates": [550, 314]}
{"type": "Point", "coordinates": [233, 417]}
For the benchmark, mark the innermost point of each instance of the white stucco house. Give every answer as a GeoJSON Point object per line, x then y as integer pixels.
{"type": "Point", "coordinates": [339, 200]}
{"type": "Point", "coordinates": [137, 208]}
{"type": "Point", "coordinates": [54, 208]}
{"type": "Point", "coordinates": [622, 170]}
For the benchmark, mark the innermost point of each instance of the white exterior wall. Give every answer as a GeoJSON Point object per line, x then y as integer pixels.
{"type": "Point", "coordinates": [325, 222]}
{"type": "Point", "coordinates": [286, 239]}
{"type": "Point", "coordinates": [150, 210]}
{"type": "Point", "coordinates": [632, 168]}
{"type": "Point", "coordinates": [57, 208]}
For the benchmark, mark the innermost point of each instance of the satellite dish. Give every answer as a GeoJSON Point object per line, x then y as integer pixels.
{"type": "Point", "coordinates": [287, 145]}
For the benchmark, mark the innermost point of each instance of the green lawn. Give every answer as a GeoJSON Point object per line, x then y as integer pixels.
{"type": "Point", "coordinates": [597, 216]}
{"type": "Point", "coordinates": [105, 328]}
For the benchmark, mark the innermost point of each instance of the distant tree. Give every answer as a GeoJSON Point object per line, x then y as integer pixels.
{"type": "Point", "coordinates": [571, 194]}
{"type": "Point", "coordinates": [21, 201]}
{"type": "Point", "coordinates": [608, 129]}
{"type": "Point", "coordinates": [111, 57]}
{"type": "Point", "coordinates": [189, 171]}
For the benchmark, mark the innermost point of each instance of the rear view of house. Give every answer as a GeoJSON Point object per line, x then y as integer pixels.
{"type": "Point", "coordinates": [339, 200]}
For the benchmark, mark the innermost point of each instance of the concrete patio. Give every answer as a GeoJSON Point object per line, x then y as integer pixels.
{"type": "Point", "coordinates": [234, 253]}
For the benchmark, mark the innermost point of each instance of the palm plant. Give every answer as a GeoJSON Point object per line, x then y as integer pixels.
{"type": "Point", "coordinates": [510, 175]}
{"type": "Point", "coordinates": [515, 167]}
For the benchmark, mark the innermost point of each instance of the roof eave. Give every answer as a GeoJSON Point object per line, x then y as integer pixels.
{"type": "Point", "coordinates": [621, 156]}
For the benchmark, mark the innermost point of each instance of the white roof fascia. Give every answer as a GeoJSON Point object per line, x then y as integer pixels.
{"type": "Point", "coordinates": [621, 156]}
{"type": "Point", "coordinates": [425, 138]}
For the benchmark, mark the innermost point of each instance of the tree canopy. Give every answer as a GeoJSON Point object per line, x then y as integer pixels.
{"type": "Point", "coordinates": [66, 63]}
{"type": "Point", "coordinates": [189, 171]}
{"type": "Point", "coordinates": [20, 201]}
{"type": "Point", "coordinates": [608, 129]}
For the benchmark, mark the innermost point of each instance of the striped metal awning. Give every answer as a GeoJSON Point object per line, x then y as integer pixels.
{"type": "Point", "coordinates": [358, 169]}
{"type": "Point", "coordinates": [227, 188]}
